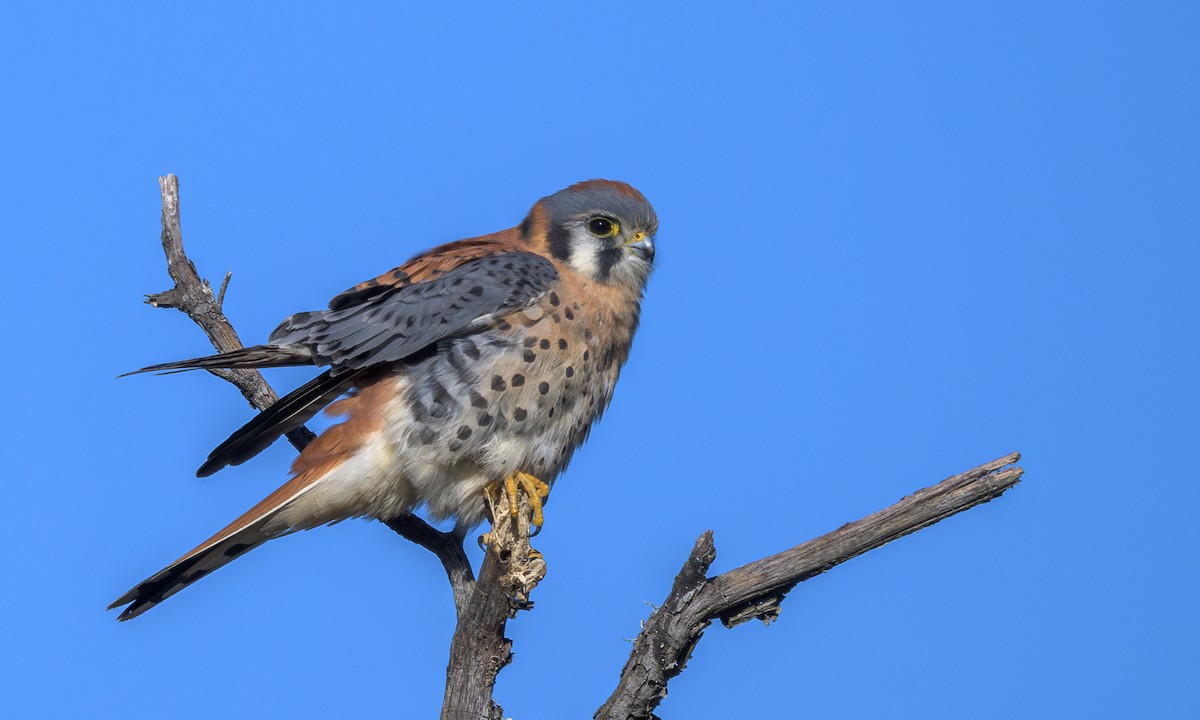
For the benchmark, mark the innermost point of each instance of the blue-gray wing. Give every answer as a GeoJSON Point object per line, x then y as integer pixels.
{"type": "Point", "coordinates": [374, 324]}
{"type": "Point", "coordinates": [392, 325]}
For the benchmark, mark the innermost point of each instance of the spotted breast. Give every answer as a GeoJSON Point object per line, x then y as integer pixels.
{"type": "Point", "coordinates": [473, 362]}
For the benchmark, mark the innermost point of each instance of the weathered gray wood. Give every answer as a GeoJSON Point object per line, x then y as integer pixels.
{"type": "Point", "coordinates": [511, 569]}
{"type": "Point", "coordinates": [479, 650]}
{"type": "Point", "coordinates": [194, 297]}
{"type": "Point", "coordinates": [668, 637]}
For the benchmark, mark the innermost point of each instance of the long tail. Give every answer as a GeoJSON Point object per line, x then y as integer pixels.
{"type": "Point", "coordinates": [290, 412]}
{"type": "Point", "coordinates": [256, 526]}
{"type": "Point", "coordinates": [258, 356]}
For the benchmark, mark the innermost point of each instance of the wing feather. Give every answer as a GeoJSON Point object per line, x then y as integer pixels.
{"type": "Point", "coordinates": [289, 412]}
{"type": "Point", "coordinates": [450, 291]}
{"type": "Point", "coordinates": [390, 326]}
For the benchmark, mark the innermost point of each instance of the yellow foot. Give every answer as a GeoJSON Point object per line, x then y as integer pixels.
{"type": "Point", "coordinates": [536, 490]}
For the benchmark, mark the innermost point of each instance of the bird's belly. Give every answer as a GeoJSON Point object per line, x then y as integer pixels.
{"type": "Point", "coordinates": [524, 402]}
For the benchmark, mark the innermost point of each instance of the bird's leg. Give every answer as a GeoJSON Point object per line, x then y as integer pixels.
{"type": "Point", "coordinates": [510, 489]}
{"type": "Point", "coordinates": [536, 490]}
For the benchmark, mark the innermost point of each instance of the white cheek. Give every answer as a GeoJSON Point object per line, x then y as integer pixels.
{"type": "Point", "coordinates": [584, 260]}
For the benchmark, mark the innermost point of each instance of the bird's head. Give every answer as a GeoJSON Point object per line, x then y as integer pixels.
{"type": "Point", "coordinates": [602, 229]}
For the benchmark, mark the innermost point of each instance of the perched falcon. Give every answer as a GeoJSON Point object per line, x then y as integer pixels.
{"type": "Point", "coordinates": [478, 362]}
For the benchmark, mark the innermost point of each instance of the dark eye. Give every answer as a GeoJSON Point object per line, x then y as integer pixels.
{"type": "Point", "coordinates": [603, 227]}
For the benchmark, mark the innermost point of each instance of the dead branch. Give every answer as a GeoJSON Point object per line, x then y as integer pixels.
{"type": "Point", "coordinates": [479, 650]}
{"type": "Point", "coordinates": [194, 297]}
{"type": "Point", "coordinates": [511, 568]}
{"type": "Point", "coordinates": [668, 637]}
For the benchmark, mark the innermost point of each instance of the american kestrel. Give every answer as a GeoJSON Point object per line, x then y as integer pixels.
{"type": "Point", "coordinates": [478, 362]}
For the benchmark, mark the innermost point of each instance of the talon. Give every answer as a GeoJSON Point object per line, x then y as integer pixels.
{"type": "Point", "coordinates": [483, 540]}
{"type": "Point", "coordinates": [491, 496]}
{"type": "Point", "coordinates": [510, 487]}
{"type": "Point", "coordinates": [536, 490]}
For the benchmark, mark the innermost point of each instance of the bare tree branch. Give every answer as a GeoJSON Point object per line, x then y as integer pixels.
{"type": "Point", "coordinates": [448, 546]}
{"type": "Point", "coordinates": [668, 637]}
{"type": "Point", "coordinates": [479, 650]}
{"type": "Point", "coordinates": [511, 568]}
{"type": "Point", "coordinates": [194, 298]}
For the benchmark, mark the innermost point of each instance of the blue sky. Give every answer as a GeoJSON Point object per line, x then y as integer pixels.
{"type": "Point", "coordinates": [897, 240]}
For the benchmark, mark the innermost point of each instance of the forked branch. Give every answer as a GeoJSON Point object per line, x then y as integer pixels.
{"type": "Point", "coordinates": [194, 297]}
{"type": "Point", "coordinates": [511, 569]}
{"type": "Point", "coordinates": [668, 637]}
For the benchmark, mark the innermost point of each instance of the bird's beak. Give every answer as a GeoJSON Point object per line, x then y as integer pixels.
{"type": "Point", "coordinates": [642, 245]}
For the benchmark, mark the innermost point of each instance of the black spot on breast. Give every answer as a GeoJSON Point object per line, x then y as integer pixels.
{"type": "Point", "coordinates": [464, 432]}
{"type": "Point", "coordinates": [485, 419]}
{"type": "Point", "coordinates": [587, 334]}
{"type": "Point", "coordinates": [554, 299]}
{"type": "Point", "coordinates": [426, 437]}
{"type": "Point", "coordinates": [478, 400]}
{"type": "Point", "coordinates": [498, 384]}
{"type": "Point", "coordinates": [443, 402]}
{"type": "Point", "coordinates": [530, 341]}
{"type": "Point", "coordinates": [570, 371]}
{"type": "Point", "coordinates": [568, 314]}
{"type": "Point", "coordinates": [470, 350]}
{"type": "Point", "coordinates": [586, 355]}
{"type": "Point", "coordinates": [419, 412]}
{"type": "Point", "coordinates": [455, 446]}
{"type": "Point", "coordinates": [529, 356]}
{"type": "Point", "coordinates": [543, 387]}
{"type": "Point", "coordinates": [503, 325]}
{"type": "Point", "coordinates": [562, 344]}
{"type": "Point", "coordinates": [520, 414]}
{"type": "Point", "coordinates": [518, 380]}
{"type": "Point", "coordinates": [544, 344]}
